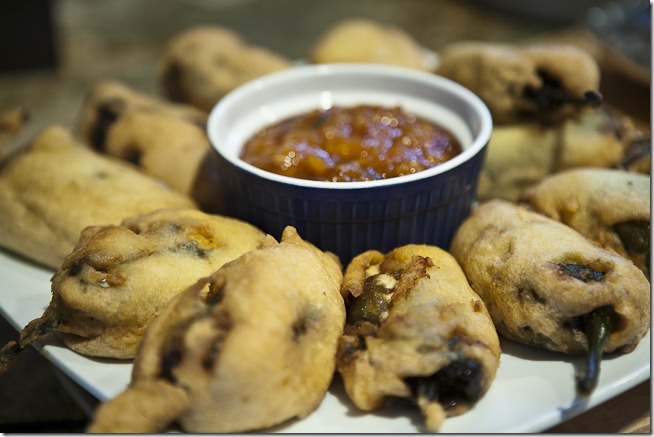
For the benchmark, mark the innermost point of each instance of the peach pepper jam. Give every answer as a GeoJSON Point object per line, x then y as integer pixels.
{"type": "Point", "coordinates": [358, 143]}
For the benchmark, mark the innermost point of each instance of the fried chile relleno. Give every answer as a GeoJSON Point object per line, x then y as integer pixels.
{"type": "Point", "coordinates": [415, 330]}
{"type": "Point", "coordinates": [54, 187]}
{"type": "Point", "coordinates": [611, 207]}
{"type": "Point", "coordinates": [166, 140]}
{"type": "Point", "coordinates": [249, 347]}
{"type": "Point", "coordinates": [376, 42]}
{"type": "Point", "coordinates": [545, 284]}
{"type": "Point", "coordinates": [520, 155]}
{"type": "Point", "coordinates": [118, 278]}
{"type": "Point", "coordinates": [202, 64]}
{"type": "Point", "coordinates": [543, 83]}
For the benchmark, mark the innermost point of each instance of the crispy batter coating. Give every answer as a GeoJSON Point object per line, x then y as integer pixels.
{"type": "Point", "coordinates": [202, 64]}
{"type": "Point", "coordinates": [521, 155]}
{"type": "Point", "coordinates": [55, 187]}
{"type": "Point", "coordinates": [611, 207]}
{"type": "Point", "coordinates": [540, 279]}
{"type": "Point", "coordinates": [251, 346]}
{"type": "Point", "coordinates": [12, 122]}
{"type": "Point", "coordinates": [542, 83]}
{"type": "Point", "coordinates": [415, 330]}
{"type": "Point", "coordinates": [366, 40]}
{"type": "Point", "coordinates": [638, 153]}
{"type": "Point", "coordinates": [118, 278]}
{"type": "Point", "coordinates": [166, 140]}
{"type": "Point", "coordinates": [144, 408]}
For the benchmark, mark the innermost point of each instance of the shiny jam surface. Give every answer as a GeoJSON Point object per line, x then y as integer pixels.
{"type": "Point", "coordinates": [345, 144]}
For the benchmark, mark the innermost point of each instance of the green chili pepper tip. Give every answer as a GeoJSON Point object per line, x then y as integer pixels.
{"type": "Point", "coordinates": [599, 326]}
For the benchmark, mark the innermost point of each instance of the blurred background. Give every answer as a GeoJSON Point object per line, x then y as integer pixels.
{"type": "Point", "coordinates": [52, 51]}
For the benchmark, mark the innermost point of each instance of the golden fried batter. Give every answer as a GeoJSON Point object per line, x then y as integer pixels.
{"type": "Point", "coordinates": [611, 207]}
{"type": "Point", "coordinates": [415, 329]}
{"type": "Point", "coordinates": [521, 155]}
{"type": "Point", "coordinates": [118, 278]}
{"type": "Point", "coordinates": [12, 122]}
{"type": "Point", "coordinates": [204, 63]}
{"type": "Point", "coordinates": [56, 187]}
{"type": "Point", "coordinates": [541, 279]}
{"type": "Point", "coordinates": [365, 40]}
{"type": "Point", "coordinates": [541, 83]}
{"type": "Point", "coordinates": [518, 156]}
{"type": "Point", "coordinates": [250, 347]}
{"type": "Point", "coordinates": [168, 141]}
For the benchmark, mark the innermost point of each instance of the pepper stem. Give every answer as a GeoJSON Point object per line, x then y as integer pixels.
{"type": "Point", "coordinates": [33, 331]}
{"type": "Point", "coordinates": [599, 326]}
{"type": "Point", "coordinates": [8, 355]}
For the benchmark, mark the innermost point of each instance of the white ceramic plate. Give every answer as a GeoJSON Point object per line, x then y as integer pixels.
{"type": "Point", "coordinates": [533, 390]}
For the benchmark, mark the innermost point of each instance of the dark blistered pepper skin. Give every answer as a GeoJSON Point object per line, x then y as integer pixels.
{"type": "Point", "coordinates": [634, 235]}
{"type": "Point", "coordinates": [459, 381]}
{"type": "Point", "coordinates": [583, 273]}
{"type": "Point", "coordinates": [552, 95]}
{"type": "Point", "coordinates": [107, 115]}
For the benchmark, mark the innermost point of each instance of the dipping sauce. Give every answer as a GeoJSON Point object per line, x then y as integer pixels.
{"type": "Point", "coordinates": [360, 143]}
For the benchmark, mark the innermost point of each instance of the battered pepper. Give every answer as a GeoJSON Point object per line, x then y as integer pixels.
{"type": "Point", "coordinates": [118, 278]}
{"type": "Point", "coordinates": [547, 286]}
{"type": "Point", "coordinates": [416, 330]}
{"type": "Point", "coordinates": [249, 347]}
{"type": "Point", "coordinates": [611, 207]}
{"type": "Point", "coordinates": [545, 83]}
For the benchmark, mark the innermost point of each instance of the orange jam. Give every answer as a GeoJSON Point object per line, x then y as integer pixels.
{"type": "Point", "coordinates": [351, 144]}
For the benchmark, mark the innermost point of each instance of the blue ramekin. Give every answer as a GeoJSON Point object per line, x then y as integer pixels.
{"type": "Point", "coordinates": [348, 218]}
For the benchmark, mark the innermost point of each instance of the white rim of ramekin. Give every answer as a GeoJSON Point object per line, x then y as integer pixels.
{"type": "Point", "coordinates": [304, 71]}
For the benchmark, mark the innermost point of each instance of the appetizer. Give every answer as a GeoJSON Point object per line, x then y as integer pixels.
{"type": "Point", "coordinates": [202, 64]}
{"type": "Point", "coordinates": [415, 330]}
{"type": "Point", "coordinates": [547, 286]}
{"type": "Point", "coordinates": [520, 155]}
{"type": "Point", "coordinates": [12, 122]}
{"type": "Point", "coordinates": [247, 348]}
{"type": "Point", "coordinates": [638, 153]}
{"type": "Point", "coordinates": [544, 83]}
{"type": "Point", "coordinates": [118, 278]}
{"type": "Point", "coordinates": [366, 40]}
{"type": "Point", "coordinates": [611, 207]}
{"type": "Point", "coordinates": [55, 186]}
{"type": "Point", "coordinates": [166, 140]}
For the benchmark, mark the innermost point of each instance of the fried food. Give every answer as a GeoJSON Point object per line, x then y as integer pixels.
{"type": "Point", "coordinates": [517, 157]}
{"type": "Point", "coordinates": [365, 40]}
{"type": "Point", "coordinates": [119, 277]}
{"type": "Point", "coordinates": [55, 187]}
{"type": "Point", "coordinates": [637, 156]}
{"type": "Point", "coordinates": [521, 155]}
{"type": "Point", "coordinates": [166, 140]}
{"type": "Point", "coordinates": [544, 83]}
{"type": "Point", "coordinates": [611, 207]}
{"type": "Point", "coordinates": [249, 347]}
{"type": "Point", "coordinates": [416, 330]}
{"type": "Point", "coordinates": [12, 122]}
{"type": "Point", "coordinates": [546, 285]}
{"type": "Point", "coordinates": [202, 64]}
